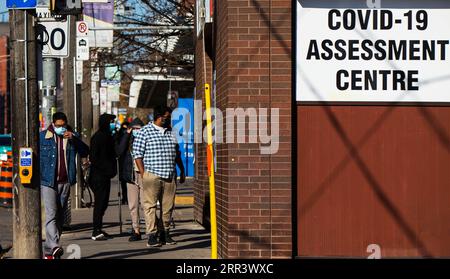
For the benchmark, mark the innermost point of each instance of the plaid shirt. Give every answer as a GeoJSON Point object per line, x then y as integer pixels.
{"type": "Point", "coordinates": [157, 149]}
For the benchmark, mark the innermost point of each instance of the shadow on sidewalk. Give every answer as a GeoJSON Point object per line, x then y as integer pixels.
{"type": "Point", "coordinates": [83, 227]}
{"type": "Point", "coordinates": [124, 254]}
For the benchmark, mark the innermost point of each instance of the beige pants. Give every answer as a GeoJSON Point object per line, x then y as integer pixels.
{"type": "Point", "coordinates": [134, 191]}
{"type": "Point", "coordinates": [153, 188]}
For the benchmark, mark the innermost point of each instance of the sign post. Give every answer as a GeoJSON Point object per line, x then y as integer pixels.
{"type": "Point", "coordinates": [82, 48]}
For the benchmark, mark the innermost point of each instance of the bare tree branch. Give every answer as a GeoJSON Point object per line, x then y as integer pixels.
{"type": "Point", "coordinates": [156, 50]}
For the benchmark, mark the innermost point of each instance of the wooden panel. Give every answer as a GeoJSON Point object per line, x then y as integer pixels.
{"type": "Point", "coordinates": [373, 175]}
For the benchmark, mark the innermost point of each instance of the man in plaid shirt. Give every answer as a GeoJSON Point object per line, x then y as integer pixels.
{"type": "Point", "coordinates": [155, 152]}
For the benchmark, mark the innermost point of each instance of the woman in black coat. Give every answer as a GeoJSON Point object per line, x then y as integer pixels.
{"type": "Point", "coordinates": [103, 168]}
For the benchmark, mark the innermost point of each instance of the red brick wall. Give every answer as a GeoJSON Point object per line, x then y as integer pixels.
{"type": "Point", "coordinates": [201, 179]}
{"type": "Point", "coordinates": [253, 64]}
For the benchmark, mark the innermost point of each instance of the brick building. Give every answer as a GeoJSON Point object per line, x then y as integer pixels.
{"type": "Point", "coordinates": [248, 47]}
{"type": "Point", "coordinates": [353, 176]}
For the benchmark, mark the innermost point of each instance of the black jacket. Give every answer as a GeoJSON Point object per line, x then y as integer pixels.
{"type": "Point", "coordinates": [102, 154]}
{"type": "Point", "coordinates": [126, 166]}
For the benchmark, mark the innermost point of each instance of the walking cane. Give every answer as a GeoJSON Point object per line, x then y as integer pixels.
{"type": "Point", "coordinates": [120, 198]}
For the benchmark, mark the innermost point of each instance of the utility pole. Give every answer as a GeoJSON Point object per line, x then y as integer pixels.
{"type": "Point", "coordinates": [69, 82]}
{"type": "Point", "coordinates": [25, 133]}
{"type": "Point", "coordinates": [71, 105]}
{"type": "Point", "coordinates": [86, 104]}
{"type": "Point", "coordinates": [95, 108]}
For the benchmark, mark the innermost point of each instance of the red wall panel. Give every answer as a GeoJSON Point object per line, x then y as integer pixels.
{"type": "Point", "coordinates": [373, 175]}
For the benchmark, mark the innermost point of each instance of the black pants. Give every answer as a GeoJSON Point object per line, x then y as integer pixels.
{"type": "Point", "coordinates": [123, 184]}
{"type": "Point", "coordinates": [101, 189]}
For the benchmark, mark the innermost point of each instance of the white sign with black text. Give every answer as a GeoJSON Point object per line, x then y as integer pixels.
{"type": "Point", "coordinates": [373, 55]}
{"type": "Point", "coordinates": [83, 48]}
{"type": "Point", "coordinates": [79, 72]}
{"type": "Point", "coordinates": [93, 88]}
{"type": "Point", "coordinates": [95, 99]}
{"type": "Point", "coordinates": [54, 36]}
{"type": "Point", "coordinates": [82, 29]}
{"type": "Point", "coordinates": [103, 100]}
{"type": "Point", "coordinates": [95, 72]}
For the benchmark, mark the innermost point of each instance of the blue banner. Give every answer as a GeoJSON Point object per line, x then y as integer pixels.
{"type": "Point", "coordinates": [183, 128]}
{"type": "Point", "coordinates": [21, 4]}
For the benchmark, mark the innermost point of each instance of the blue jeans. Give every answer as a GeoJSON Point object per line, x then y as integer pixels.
{"type": "Point", "coordinates": [55, 199]}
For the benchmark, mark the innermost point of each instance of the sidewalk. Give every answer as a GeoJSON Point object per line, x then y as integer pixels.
{"type": "Point", "coordinates": [193, 240]}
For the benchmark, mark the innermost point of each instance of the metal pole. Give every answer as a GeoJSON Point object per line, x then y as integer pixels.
{"type": "Point", "coordinates": [120, 198]}
{"type": "Point", "coordinates": [27, 137]}
{"type": "Point", "coordinates": [75, 113]}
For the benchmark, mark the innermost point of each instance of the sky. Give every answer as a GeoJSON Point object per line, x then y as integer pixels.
{"type": "Point", "coordinates": [3, 11]}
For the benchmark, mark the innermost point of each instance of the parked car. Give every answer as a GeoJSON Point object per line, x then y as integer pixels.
{"type": "Point", "coordinates": [5, 146]}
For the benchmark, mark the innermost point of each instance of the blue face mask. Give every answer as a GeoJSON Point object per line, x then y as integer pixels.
{"type": "Point", "coordinates": [60, 131]}
{"type": "Point", "coordinates": [135, 133]}
{"type": "Point", "coordinates": [112, 128]}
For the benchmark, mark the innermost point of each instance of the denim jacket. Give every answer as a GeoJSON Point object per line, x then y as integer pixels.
{"type": "Point", "coordinates": [48, 157]}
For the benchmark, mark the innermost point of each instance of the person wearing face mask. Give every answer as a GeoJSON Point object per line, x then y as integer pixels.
{"type": "Point", "coordinates": [103, 169]}
{"type": "Point", "coordinates": [123, 130]}
{"type": "Point", "coordinates": [155, 153]}
{"type": "Point", "coordinates": [129, 173]}
{"type": "Point", "coordinates": [58, 148]}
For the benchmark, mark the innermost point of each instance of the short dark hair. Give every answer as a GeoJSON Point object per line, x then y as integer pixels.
{"type": "Point", "coordinates": [59, 116]}
{"type": "Point", "coordinates": [160, 110]}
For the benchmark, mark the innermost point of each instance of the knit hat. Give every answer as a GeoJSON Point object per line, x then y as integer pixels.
{"type": "Point", "coordinates": [136, 122]}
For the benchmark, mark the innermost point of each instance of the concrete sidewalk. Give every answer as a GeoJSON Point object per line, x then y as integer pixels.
{"type": "Point", "coordinates": [193, 240]}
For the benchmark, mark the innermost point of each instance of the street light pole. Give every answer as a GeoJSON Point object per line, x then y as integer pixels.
{"type": "Point", "coordinates": [25, 133]}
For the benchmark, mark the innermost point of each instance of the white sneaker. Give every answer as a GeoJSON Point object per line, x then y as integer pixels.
{"type": "Point", "coordinates": [99, 236]}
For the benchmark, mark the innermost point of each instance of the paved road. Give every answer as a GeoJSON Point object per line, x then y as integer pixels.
{"type": "Point", "coordinates": [193, 239]}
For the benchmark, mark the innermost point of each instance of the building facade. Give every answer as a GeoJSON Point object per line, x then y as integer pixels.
{"type": "Point", "coordinates": [359, 173]}
{"type": "Point", "coordinates": [245, 55]}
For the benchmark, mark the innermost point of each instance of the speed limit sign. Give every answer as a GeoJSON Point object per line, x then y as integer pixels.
{"type": "Point", "coordinates": [54, 38]}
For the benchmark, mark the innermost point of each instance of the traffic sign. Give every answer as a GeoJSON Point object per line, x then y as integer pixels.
{"type": "Point", "coordinates": [43, 13]}
{"type": "Point", "coordinates": [103, 100]}
{"type": "Point", "coordinates": [54, 38]}
{"type": "Point", "coordinates": [26, 156]}
{"type": "Point", "coordinates": [95, 72]}
{"type": "Point", "coordinates": [95, 99]}
{"type": "Point", "coordinates": [79, 72]}
{"type": "Point", "coordinates": [82, 29]}
{"type": "Point", "coordinates": [21, 4]}
{"type": "Point", "coordinates": [83, 48]}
